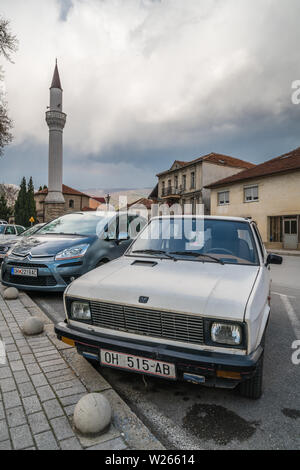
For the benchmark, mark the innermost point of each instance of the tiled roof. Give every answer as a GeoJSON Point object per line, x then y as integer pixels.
{"type": "Point", "coordinates": [99, 199]}
{"type": "Point", "coordinates": [65, 190]}
{"type": "Point", "coordinates": [216, 158]}
{"type": "Point", "coordinates": [288, 162]}
{"type": "Point", "coordinates": [143, 201]}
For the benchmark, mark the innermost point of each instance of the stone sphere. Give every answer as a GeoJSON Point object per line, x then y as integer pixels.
{"type": "Point", "coordinates": [92, 414]}
{"type": "Point", "coordinates": [33, 326]}
{"type": "Point", "coordinates": [11, 293]}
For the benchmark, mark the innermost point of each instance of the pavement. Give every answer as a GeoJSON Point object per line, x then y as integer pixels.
{"type": "Point", "coordinates": [42, 379]}
{"type": "Point", "coordinates": [187, 416]}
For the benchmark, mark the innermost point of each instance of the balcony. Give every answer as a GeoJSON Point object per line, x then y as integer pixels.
{"type": "Point", "coordinates": [171, 192]}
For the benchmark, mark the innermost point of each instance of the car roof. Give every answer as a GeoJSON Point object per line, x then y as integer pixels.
{"type": "Point", "coordinates": [208, 217]}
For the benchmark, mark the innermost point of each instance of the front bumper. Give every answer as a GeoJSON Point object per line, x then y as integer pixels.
{"type": "Point", "coordinates": [52, 275]}
{"type": "Point", "coordinates": [207, 364]}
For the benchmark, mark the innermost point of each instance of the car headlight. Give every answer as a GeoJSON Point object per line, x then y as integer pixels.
{"type": "Point", "coordinates": [226, 333]}
{"type": "Point", "coordinates": [77, 251]}
{"type": "Point", "coordinates": [80, 311]}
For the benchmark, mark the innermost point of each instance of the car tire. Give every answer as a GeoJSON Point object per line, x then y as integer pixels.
{"type": "Point", "coordinates": [252, 388]}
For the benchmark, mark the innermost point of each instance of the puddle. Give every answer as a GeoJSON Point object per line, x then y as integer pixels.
{"type": "Point", "coordinates": [290, 413]}
{"type": "Point", "coordinates": [214, 422]}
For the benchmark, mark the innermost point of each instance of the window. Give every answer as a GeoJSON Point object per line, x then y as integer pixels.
{"type": "Point", "coordinates": [223, 198]}
{"type": "Point", "coordinates": [184, 182]}
{"type": "Point", "coordinates": [10, 230]}
{"type": "Point", "coordinates": [20, 229]}
{"type": "Point", "coordinates": [275, 224]}
{"type": "Point", "coordinates": [71, 204]}
{"type": "Point", "coordinates": [163, 188]}
{"type": "Point", "coordinates": [176, 182]}
{"type": "Point", "coordinates": [192, 180]}
{"type": "Point", "coordinates": [251, 194]}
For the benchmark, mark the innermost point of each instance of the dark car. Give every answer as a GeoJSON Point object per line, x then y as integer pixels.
{"type": "Point", "coordinates": [68, 247]}
{"type": "Point", "coordinates": [6, 245]}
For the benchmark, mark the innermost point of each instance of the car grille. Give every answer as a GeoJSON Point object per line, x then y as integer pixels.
{"type": "Point", "coordinates": [43, 281]}
{"type": "Point", "coordinates": [148, 322]}
{"type": "Point", "coordinates": [27, 265]}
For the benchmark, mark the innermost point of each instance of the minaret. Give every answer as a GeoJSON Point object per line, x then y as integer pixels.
{"type": "Point", "coordinates": [56, 120]}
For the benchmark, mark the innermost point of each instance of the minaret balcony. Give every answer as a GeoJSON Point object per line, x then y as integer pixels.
{"type": "Point", "coordinates": [56, 119]}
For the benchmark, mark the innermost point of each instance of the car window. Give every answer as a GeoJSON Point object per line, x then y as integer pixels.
{"type": "Point", "coordinates": [20, 229]}
{"type": "Point", "coordinates": [76, 224]}
{"type": "Point", "coordinates": [10, 230]}
{"type": "Point", "coordinates": [2, 228]}
{"type": "Point", "coordinates": [229, 241]}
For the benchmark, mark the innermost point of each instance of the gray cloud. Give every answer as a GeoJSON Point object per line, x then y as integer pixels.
{"type": "Point", "coordinates": [148, 81]}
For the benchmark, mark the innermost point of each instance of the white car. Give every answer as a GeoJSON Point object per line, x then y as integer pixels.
{"type": "Point", "coordinates": [8, 231]}
{"type": "Point", "coordinates": [189, 300]}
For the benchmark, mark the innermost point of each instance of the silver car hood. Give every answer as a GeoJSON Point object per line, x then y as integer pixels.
{"type": "Point", "coordinates": [207, 289]}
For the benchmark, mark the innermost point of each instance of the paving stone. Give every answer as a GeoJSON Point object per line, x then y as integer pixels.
{"type": "Point", "coordinates": [38, 422]}
{"type": "Point", "coordinates": [7, 385]}
{"type": "Point", "coordinates": [70, 391]}
{"type": "Point", "coordinates": [46, 441]}
{"type": "Point", "coordinates": [73, 399]}
{"type": "Point", "coordinates": [56, 367]}
{"type": "Point", "coordinates": [32, 404]}
{"type": "Point", "coordinates": [10, 347]}
{"type": "Point", "coordinates": [25, 350]}
{"type": "Point", "coordinates": [69, 410]}
{"type": "Point", "coordinates": [70, 444]}
{"type": "Point", "coordinates": [21, 437]}
{"type": "Point", "coordinates": [5, 372]}
{"type": "Point", "coordinates": [45, 393]}
{"type": "Point", "coordinates": [2, 414]}
{"type": "Point", "coordinates": [33, 369]}
{"type": "Point", "coordinates": [39, 380]}
{"type": "Point", "coordinates": [11, 399]}
{"type": "Point", "coordinates": [26, 389]}
{"type": "Point", "coordinates": [28, 359]}
{"type": "Point", "coordinates": [21, 377]}
{"type": "Point", "coordinates": [3, 431]}
{"type": "Point", "coordinates": [61, 428]}
{"type": "Point", "coordinates": [17, 366]}
{"type": "Point", "coordinates": [13, 356]}
{"type": "Point", "coordinates": [59, 377]}
{"type": "Point", "coordinates": [48, 352]}
{"type": "Point", "coordinates": [5, 445]}
{"type": "Point", "coordinates": [16, 416]}
{"type": "Point", "coordinates": [113, 444]}
{"type": "Point", "coordinates": [53, 409]}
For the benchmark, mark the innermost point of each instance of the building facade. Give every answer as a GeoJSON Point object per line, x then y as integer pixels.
{"type": "Point", "coordinates": [185, 182]}
{"type": "Point", "coordinates": [269, 194]}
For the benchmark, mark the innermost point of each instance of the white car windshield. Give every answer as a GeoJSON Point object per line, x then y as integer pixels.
{"type": "Point", "coordinates": [208, 240]}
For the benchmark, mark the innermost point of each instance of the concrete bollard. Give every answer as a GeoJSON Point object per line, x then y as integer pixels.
{"type": "Point", "coordinates": [11, 293]}
{"type": "Point", "coordinates": [92, 414]}
{"type": "Point", "coordinates": [33, 326]}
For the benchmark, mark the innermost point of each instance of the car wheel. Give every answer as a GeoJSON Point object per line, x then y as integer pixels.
{"type": "Point", "coordinates": [252, 388]}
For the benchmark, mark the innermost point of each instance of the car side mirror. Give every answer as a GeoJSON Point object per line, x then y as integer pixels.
{"type": "Point", "coordinates": [273, 259]}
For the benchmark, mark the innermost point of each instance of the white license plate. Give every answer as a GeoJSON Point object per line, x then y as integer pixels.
{"type": "Point", "coordinates": [24, 272]}
{"type": "Point", "coordinates": [137, 364]}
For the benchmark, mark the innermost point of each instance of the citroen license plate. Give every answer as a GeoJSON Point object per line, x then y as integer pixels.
{"type": "Point", "coordinates": [24, 272]}
{"type": "Point", "coordinates": [137, 364]}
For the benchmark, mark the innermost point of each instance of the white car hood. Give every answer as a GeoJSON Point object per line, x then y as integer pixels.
{"type": "Point", "coordinates": [208, 289]}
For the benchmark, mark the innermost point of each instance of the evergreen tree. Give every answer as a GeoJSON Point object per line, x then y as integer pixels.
{"type": "Point", "coordinates": [30, 200]}
{"type": "Point", "coordinates": [21, 206]}
{"type": "Point", "coordinates": [5, 210]}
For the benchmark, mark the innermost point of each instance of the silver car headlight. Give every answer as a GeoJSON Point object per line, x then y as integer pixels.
{"type": "Point", "coordinates": [80, 311]}
{"type": "Point", "coordinates": [226, 333]}
{"type": "Point", "coordinates": [77, 251]}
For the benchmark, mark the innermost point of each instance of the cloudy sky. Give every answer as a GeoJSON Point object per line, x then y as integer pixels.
{"type": "Point", "coordinates": [150, 81]}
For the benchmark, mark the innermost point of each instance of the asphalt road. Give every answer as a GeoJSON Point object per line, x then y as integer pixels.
{"type": "Point", "coordinates": [186, 416]}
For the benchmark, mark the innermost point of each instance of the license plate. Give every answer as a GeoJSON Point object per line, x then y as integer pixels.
{"type": "Point", "coordinates": [137, 364]}
{"type": "Point", "coordinates": [24, 272]}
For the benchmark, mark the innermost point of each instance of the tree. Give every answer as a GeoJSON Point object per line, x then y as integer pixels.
{"type": "Point", "coordinates": [8, 45]}
{"type": "Point", "coordinates": [30, 199]}
{"type": "Point", "coordinates": [5, 210]}
{"type": "Point", "coordinates": [21, 206]}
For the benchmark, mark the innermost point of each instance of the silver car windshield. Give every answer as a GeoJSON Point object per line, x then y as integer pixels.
{"type": "Point", "coordinates": [206, 240]}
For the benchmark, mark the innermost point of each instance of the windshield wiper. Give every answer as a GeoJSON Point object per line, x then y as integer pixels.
{"type": "Point", "coordinates": [154, 252]}
{"type": "Point", "coordinates": [196, 255]}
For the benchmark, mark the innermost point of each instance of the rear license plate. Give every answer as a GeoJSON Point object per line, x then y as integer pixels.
{"type": "Point", "coordinates": [137, 364]}
{"type": "Point", "coordinates": [24, 272]}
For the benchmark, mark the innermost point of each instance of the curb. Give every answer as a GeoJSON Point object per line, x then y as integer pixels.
{"type": "Point", "coordinates": [133, 430]}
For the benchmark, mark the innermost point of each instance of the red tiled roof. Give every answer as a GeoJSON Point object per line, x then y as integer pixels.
{"type": "Point", "coordinates": [143, 201]}
{"type": "Point", "coordinates": [88, 209]}
{"type": "Point", "coordinates": [65, 190]}
{"type": "Point", "coordinates": [288, 162]}
{"type": "Point", "coordinates": [216, 158]}
{"type": "Point", "coordinates": [99, 199]}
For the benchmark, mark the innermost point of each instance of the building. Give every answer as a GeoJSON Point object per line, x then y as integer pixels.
{"type": "Point", "coordinates": [269, 194]}
{"type": "Point", "coordinates": [73, 201]}
{"type": "Point", "coordinates": [185, 182]}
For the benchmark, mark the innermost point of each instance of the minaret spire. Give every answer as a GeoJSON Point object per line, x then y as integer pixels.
{"type": "Point", "coordinates": [56, 120]}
